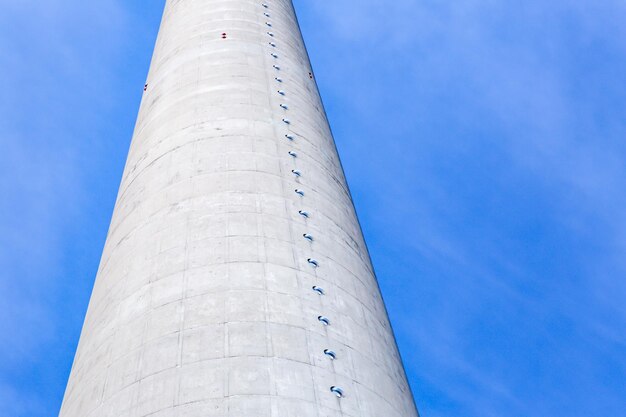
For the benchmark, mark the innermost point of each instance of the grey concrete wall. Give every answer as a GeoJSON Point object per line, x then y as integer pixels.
{"type": "Point", "coordinates": [204, 303]}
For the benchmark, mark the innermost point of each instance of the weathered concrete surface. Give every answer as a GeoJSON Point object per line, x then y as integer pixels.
{"type": "Point", "coordinates": [204, 303]}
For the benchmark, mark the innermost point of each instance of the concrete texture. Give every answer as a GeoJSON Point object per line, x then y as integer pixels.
{"type": "Point", "coordinates": [204, 303]}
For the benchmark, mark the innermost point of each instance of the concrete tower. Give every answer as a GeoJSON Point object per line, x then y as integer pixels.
{"type": "Point", "coordinates": [235, 281]}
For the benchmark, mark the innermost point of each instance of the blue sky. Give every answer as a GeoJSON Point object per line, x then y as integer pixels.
{"type": "Point", "coordinates": [484, 143]}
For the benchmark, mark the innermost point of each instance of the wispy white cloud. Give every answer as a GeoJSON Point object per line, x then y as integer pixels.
{"type": "Point", "coordinates": [56, 59]}
{"type": "Point", "coordinates": [41, 170]}
{"type": "Point", "coordinates": [16, 403]}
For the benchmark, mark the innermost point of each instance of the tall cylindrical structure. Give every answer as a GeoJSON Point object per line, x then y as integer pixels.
{"type": "Point", "coordinates": [235, 281]}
